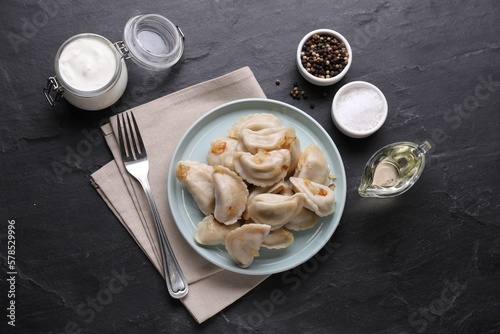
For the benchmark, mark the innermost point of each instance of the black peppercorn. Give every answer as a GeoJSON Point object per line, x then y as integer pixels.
{"type": "Point", "coordinates": [324, 56]}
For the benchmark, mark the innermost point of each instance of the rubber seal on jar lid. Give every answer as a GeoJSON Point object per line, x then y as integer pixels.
{"type": "Point", "coordinates": [153, 42]}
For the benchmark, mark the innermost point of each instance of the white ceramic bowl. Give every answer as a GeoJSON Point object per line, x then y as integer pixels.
{"type": "Point", "coordinates": [359, 109]}
{"type": "Point", "coordinates": [316, 80]}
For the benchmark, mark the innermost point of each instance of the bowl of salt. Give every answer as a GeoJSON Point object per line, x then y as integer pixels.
{"type": "Point", "coordinates": [359, 109]}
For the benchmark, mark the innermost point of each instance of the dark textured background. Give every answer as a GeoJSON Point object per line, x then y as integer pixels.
{"type": "Point", "coordinates": [425, 262]}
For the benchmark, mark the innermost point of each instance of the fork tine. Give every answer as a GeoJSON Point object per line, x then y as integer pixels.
{"type": "Point", "coordinates": [134, 151]}
{"type": "Point", "coordinates": [119, 121]}
{"type": "Point", "coordinates": [139, 143]}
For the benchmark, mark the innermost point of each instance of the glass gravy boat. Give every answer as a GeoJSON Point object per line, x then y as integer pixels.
{"type": "Point", "coordinates": [393, 169]}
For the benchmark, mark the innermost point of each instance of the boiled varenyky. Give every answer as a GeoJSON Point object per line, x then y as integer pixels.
{"type": "Point", "coordinates": [257, 186]}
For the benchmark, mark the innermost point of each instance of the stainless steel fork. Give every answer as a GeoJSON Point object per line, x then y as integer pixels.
{"type": "Point", "coordinates": [136, 162]}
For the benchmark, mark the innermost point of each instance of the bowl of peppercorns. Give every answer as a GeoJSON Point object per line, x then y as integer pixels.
{"type": "Point", "coordinates": [323, 57]}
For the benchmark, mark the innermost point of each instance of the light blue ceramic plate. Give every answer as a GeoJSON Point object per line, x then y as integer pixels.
{"type": "Point", "coordinates": [195, 144]}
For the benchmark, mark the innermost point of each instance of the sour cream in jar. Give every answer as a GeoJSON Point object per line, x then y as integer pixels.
{"type": "Point", "coordinates": [91, 71]}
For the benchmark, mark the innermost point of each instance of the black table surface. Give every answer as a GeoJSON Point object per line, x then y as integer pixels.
{"type": "Point", "coordinates": [424, 262]}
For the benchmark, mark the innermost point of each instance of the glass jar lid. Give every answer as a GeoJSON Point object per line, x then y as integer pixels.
{"type": "Point", "coordinates": [153, 42]}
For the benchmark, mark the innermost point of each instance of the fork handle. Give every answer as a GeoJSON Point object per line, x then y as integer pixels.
{"type": "Point", "coordinates": [176, 283]}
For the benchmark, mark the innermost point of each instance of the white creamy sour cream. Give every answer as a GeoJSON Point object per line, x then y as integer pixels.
{"type": "Point", "coordinates": [87, 64]}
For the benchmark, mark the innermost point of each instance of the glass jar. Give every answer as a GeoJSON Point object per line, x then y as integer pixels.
{"type": "Point", "coordinates": [91, 72]}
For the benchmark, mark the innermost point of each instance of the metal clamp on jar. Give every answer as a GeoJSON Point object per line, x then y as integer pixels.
{"type": "Point", "coordinates": [91, 71]}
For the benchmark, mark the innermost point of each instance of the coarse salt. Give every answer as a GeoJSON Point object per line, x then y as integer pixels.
{"type": "Point", "coordinates": [359, 109]}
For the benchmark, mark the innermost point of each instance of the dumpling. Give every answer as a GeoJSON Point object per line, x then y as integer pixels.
{"type": "Point", "coordinates": [230, 195]}
{"type": "Point", "coordinates": [319, 198]}
{"type": "Point", "coordinates": [275, 210]}
{"type": "Point", "coordinates": [222, 151]}
{"type": "Point", "coordinates": [263, 168]}
{"type": "Point", "coordinates": [253, 122]}
{"type": "Point", "coordinates": [210, 232]}
{"type": "Point", "coordinates": [268, 139]}
{"type": "Point", "coordinates": [304, 220]}
{"type": "Point", "coordinates": [243, 243]}
{"type": "Point", "coordinates": [312, 165]}
{"type": "Point", "coordinates": [197, 177]}
{"type": "Point", "coordinates": [277, 239]}
{"type": "Point", "coordinates": [281, 188]}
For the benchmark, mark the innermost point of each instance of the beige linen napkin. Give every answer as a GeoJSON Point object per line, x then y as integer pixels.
{"type": "Point", "coordinates": [162, 123]}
